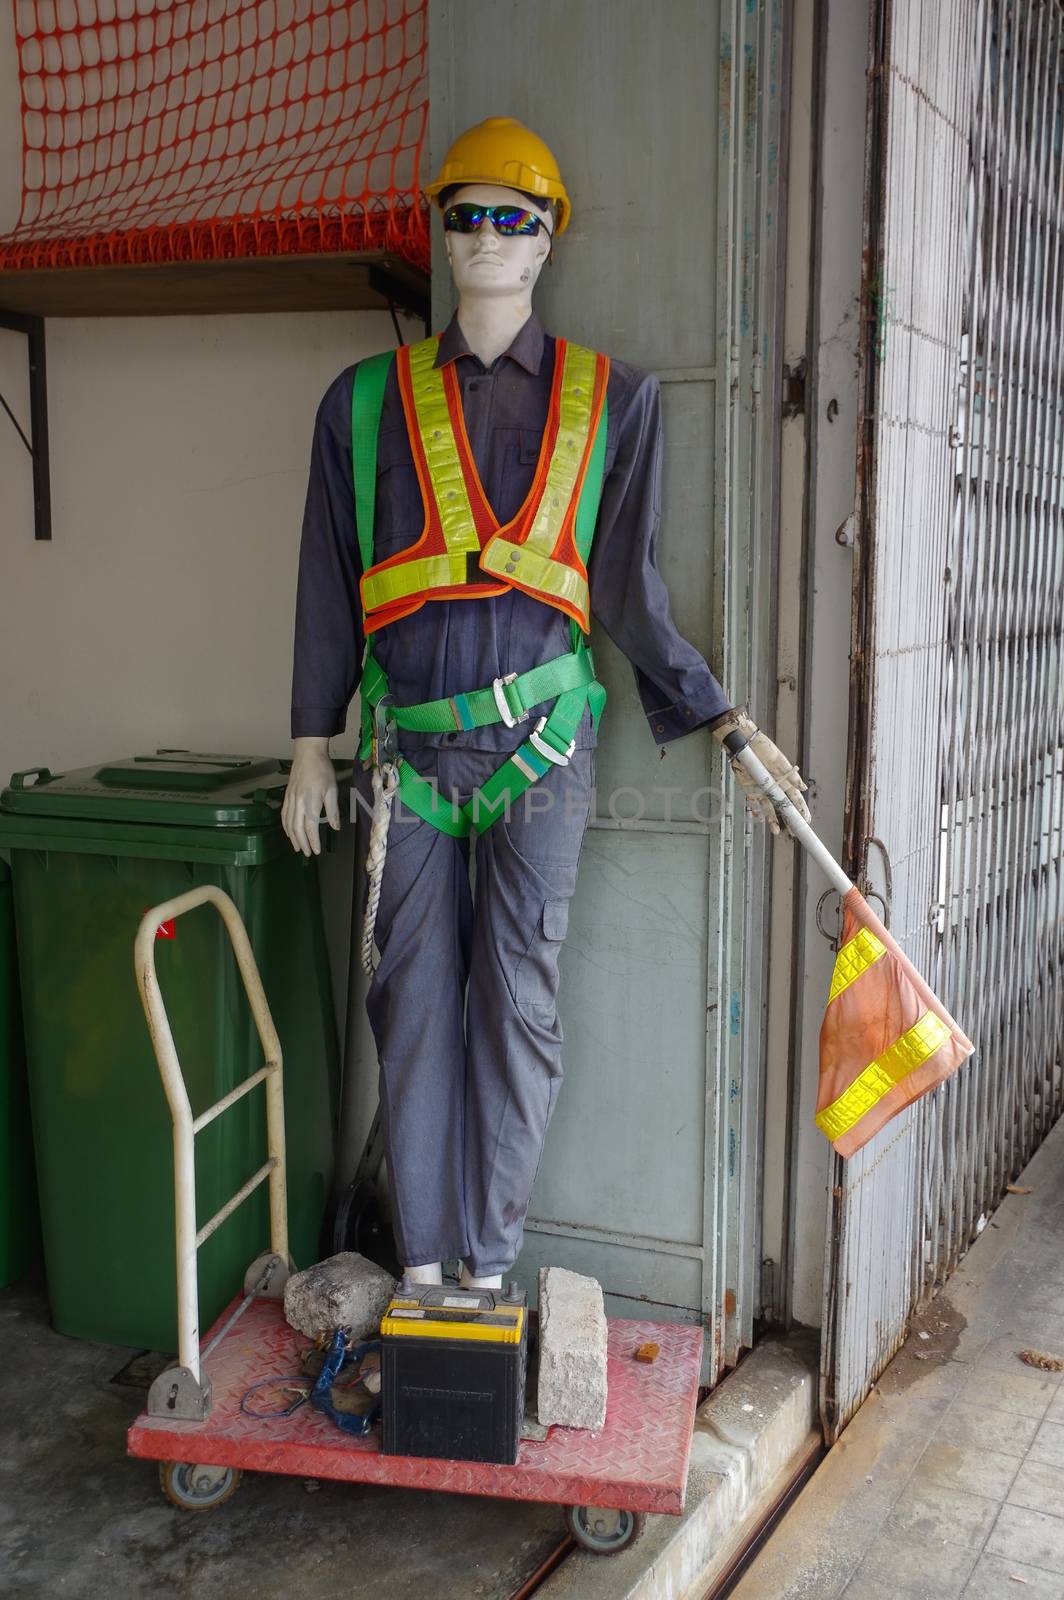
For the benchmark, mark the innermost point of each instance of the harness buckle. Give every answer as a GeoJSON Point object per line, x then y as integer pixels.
{"type": "Point", "coordinates": [385, 732]}
{"type": "Point", "coordinates": [500, 700]}
{"type": "Point", "coordinates": [547, 751]}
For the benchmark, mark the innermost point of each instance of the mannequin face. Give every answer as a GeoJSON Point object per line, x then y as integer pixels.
{"type": "Point", "coordinates": [484, 263]}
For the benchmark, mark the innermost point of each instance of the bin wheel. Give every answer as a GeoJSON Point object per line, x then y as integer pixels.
{"type": "Point", "coordinates": [602, 1531]}
{"type": "Point", "coordinates": [196, 1488]}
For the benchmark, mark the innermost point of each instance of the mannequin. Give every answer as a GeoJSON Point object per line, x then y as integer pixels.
{"type": "Point", "coordinates": [463, 1002]}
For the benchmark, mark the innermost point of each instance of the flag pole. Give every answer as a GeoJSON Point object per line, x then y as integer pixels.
{"type": "Point", "coordinates": [738, 748]}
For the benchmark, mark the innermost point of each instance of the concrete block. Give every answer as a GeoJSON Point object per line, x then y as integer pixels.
{"type": "Point", "coordinates": [572, 1350]}
{"type": "Point", "coordinates": [345, 1291]}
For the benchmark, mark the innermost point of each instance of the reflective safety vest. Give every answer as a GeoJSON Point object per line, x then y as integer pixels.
{"type": "Point", "coordinates": [463, 553]}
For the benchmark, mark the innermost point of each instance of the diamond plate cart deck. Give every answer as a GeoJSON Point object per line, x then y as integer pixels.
{"type": "Point", "coordinates": [637, 1463]}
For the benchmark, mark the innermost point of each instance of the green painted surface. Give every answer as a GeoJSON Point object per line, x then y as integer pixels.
{"type": "Point", "coordinates": [103, 1133]}
{"type": "Point", "coordinates": [20, 1239]}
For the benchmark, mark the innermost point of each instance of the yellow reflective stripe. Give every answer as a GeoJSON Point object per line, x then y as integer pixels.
{"type": "Point", "coordinates": [441, 449]}
{"type": "Point", "coordinates": [880, 1076]}
{"type": "Point", "coordinates": [574, 425]}
{"type": "Point", "coordinates": [410, 577]}
{"type": "Point", "coordinates": [855, 957]}
{"type": "Point", "coordinates": [506, 560]}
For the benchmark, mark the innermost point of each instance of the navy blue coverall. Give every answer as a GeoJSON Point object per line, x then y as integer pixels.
{"type": "Point", "coordinates": [463, 1003]}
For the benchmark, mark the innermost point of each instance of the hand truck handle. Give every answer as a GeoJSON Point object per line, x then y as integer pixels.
{"type": "Point", "coordinates": [186, 1126]}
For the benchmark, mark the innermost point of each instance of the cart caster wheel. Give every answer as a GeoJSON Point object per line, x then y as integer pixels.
{"type": "Point", "coordinates": [195, 1488]}
{"type": "Point", "coordinates": [602, 1531]}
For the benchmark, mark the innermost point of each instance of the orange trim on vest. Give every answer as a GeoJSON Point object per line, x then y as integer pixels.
{"type": "Point", "coordinates": [565, 545]}
{"type": "Point", "coordinates": [485, 524]}
{"type": "Point", "coordinates": [431, 541]}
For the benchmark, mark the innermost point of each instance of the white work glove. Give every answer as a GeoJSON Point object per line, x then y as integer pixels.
{"type": "Point", "coordinates": [311, 788]}
{"type": "Point", "coordinates": [771, 756]}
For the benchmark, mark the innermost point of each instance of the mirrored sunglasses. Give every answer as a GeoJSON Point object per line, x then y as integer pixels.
{"type": "Point", "coordinates": [507, 220]}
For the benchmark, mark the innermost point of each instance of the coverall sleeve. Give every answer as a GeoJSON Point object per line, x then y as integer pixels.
{"type": "Point", "coordinates": [628, 596]}
{"type": "Point", "coordinates": [327, 658]}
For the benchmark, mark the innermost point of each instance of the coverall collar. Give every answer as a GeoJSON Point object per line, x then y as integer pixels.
{"type": "Point", "coordinates": [526, 348]}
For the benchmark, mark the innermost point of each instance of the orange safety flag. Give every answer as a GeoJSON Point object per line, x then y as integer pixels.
{"type": "Point", "coordinates": [885, 1039]}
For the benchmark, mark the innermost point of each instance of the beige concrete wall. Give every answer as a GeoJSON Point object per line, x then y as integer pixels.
{"type": "Point", "coordinates": [161, 612]}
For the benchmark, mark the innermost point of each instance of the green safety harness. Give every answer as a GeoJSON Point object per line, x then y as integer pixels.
{"type": "Point", "coordinates": [569, 680]}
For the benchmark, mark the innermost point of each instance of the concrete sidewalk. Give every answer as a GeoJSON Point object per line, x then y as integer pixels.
{"type": "Point", "coordinates": [950, 1479]}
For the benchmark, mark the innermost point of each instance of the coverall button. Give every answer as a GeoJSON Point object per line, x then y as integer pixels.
{"type": "Point", "coordinates": [451, 737]}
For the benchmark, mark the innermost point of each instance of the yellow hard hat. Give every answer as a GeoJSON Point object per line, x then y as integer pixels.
{"type": "Point", "coordinates": [502, 150]}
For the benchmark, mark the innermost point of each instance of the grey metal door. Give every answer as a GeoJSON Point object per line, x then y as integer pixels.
{"type": "Point", "coordinates": [666, 124]}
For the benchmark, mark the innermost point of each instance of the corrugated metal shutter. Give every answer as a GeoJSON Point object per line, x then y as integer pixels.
{"type": "Point", "coordinates": [957, 727]}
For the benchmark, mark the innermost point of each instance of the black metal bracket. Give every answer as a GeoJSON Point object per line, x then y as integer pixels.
{"type": "Point", "coordinates": [400, 292]}
{"type": "Point", "coordinates": [37, 443]}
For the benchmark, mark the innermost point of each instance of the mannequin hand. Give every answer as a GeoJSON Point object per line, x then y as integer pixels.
{"type": "Point", "coordinates": [771, 756]}
{"type": "Point", "coordinates": [311, 785]}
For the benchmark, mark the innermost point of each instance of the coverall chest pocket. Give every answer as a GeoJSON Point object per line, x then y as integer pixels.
{"type": "Point", "coordinates": [515, 453]}
{"type": "Point", "coordinates": [399, 516]}
{"type": "Point", "coordinates": [536, 983]}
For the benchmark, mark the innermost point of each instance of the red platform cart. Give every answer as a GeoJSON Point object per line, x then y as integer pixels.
{"type": "Point", "coordinates": [194, 1425]}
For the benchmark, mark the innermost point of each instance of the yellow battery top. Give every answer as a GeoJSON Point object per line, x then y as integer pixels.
{"type": "Point", "coordinates": [435, 1313]}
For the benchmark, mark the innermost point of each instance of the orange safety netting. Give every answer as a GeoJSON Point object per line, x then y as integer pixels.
{"type": "Point", "coordinates": [189, 131]}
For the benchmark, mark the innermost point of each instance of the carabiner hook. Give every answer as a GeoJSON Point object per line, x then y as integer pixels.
{"type": "Point", "coordinates": [385, 732]}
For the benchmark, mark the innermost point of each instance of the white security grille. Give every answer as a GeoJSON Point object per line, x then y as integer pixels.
{"type": "Point", "coordinates": [998, 916]}
{"type": "Point", "coordinates": [958, 716]}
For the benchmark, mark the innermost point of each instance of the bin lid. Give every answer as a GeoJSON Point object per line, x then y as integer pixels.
{"type": "Point", "coordinates": [184, 787]}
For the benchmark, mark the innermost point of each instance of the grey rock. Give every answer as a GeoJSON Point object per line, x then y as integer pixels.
{"type": "Point", "coordinates": [532, 1429]}
{"type": "Point", "coordinates": [346, 1291]}
{"type": "Point", "coordinates": [572, 1350]}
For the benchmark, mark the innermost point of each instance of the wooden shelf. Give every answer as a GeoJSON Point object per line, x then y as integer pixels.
{"type": "Point", "coordinates": [340, 282]}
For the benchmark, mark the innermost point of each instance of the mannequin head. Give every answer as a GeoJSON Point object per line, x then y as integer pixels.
{"type": "Point", "coordinates": [486, 264]}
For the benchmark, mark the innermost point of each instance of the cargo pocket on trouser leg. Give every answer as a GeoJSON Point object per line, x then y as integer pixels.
{"type": "Point", "coordinates": [536, 980]}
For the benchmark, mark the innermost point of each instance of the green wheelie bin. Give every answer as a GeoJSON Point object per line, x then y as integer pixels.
{"type": "Point", "coordinates": [20, 1234]}
{"type": "Point", "coordinates": [90, 852]}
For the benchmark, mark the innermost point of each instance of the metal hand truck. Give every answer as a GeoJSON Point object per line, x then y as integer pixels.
{"type": "Point", "coordinates": [195, 1425]}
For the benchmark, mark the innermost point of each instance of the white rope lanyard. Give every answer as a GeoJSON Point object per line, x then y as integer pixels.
{"type": "Point", "coordinates": [385, 784]}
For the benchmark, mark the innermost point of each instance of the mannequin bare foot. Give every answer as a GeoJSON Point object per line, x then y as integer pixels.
{"type": "Point", "coordinates": [430, 1273]}
{"type": "Point", "coordinates": [467, 1280]}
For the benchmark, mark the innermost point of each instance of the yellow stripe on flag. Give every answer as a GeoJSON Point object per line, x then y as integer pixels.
{"type": "Point", "coordinates": [880, 1076]}
{"type": "Point", "coordinates": [855, 957]}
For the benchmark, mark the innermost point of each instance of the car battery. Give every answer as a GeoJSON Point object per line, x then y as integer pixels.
{"type": "Point", "coordinates": [453, 1367]}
